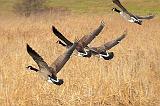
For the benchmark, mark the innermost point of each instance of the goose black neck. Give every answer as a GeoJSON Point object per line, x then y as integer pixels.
{"type": "Point", "coordinates": [117, 10]}
{"type": "Point", "coordinates": [34, 69]}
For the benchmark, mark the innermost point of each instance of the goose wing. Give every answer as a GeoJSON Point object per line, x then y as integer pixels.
{"type": "Point", "coordinates": [36, 57]}
{"type": "Point", "coordinates": [146, 17]}
{"type": "Point", "coordinates": [118, 3]}
{"type": "Point", "coordinates": [62, 59]}
{"type": "Point", "coordinates": [85, 40]}
{"type": "Point", "coordinates": [61, 37]}
{"type": "Point", "coordinates": [110, 44]}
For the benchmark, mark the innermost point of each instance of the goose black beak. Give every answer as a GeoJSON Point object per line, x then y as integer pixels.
{"type": "Point", "coordinates": [27, 67]}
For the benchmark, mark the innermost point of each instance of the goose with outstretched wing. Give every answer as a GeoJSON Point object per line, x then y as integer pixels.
{"type": "Point", "coordinates": [83, 42]}
{"type": "Point", "coordinates": [102, 50]}
{"type": "Point", "coordinates": [129, 16]}
{"type": "Point", "coordinates": [62, 40]}
{"type": "Point", "coordinates": [50, 72]}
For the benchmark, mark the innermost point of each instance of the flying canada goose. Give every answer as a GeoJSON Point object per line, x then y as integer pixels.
{"type": "Point", "coordinates": [83, 42]}
{"type": "Point", "coordinates": [102, 50]}
{"type": "Point", "coordinates": [128, 16]}
{"type": "Point", "coordinates": [50, 72]}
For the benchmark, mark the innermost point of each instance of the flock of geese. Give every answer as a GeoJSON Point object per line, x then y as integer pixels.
{"type": "Point", "coordinates": [80, 47]}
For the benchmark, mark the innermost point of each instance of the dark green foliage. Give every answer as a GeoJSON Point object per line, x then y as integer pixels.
{"type": "Point", "coordinates": [28, 7]}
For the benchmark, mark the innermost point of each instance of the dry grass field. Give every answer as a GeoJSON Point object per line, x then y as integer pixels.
{"type": "Point", "coordinates": [131, 78]}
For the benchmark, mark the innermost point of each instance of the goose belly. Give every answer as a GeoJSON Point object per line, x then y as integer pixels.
{"type": "Point", "coordinates": [45, 73]}
{"type": "Point", "coordinates": [126, 17]}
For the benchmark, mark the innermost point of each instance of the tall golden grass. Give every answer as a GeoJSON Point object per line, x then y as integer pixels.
{"type": "Point", "coordinates": [131, 78]}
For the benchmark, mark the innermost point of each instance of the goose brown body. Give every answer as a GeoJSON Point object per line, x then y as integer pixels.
{"type": "Point", "coordinates": [52, 70]}
{"type": "Point", "coordinates": [129, 16]}
{"type": "Point", "coordinates": [83, 42]}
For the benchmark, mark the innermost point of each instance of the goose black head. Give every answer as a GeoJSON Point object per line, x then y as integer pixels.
{"type": "Point", "coordinates": [29, 67]}
{"type": "Point", "coordinates": [115, 9]}
{"type": "Point", "coordinates": [32, 68]}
